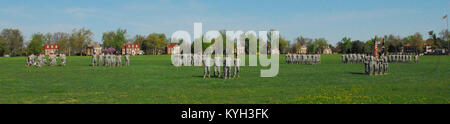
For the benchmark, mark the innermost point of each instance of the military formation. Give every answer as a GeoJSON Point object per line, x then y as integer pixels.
{"type": "Point", "coordinates": [229, 65]}
{"type": "Point", "coordinates": [40, 60]}
{"type": "Point", "coordinates": [403, 58]}
{"type": "Point", "coordinates": [376, 65]}
{"type": "Point", "coordinates": [222, 67]}
{"type": "Point", "coordinates": [359, 58]}
{"type": "Point", "coordinates": [353, 58]}
{"type": "Point", "coordinates": [110, 60]}
{"type": "Point", "coordinates": [303, 59]}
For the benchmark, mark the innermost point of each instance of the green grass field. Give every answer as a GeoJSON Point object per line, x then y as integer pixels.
{"type": "Point", "coordinates": [152, 79]}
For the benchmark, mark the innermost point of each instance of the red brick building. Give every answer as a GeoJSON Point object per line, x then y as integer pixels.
{"type": "Point", "coordinates": [50, 49]}
{"type": "Point", "coordinates": [132, 49]}
{"type": "Point", "coordinates": [171, 49]}
{"type": "Point", "coordinates": [93, 49]}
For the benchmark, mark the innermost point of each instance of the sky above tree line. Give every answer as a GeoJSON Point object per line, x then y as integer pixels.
{"type": "Point", "coordinates": [330, 19]}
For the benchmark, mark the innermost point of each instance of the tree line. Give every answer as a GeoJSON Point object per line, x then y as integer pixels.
{"type": "Point", "coordinates": [395, 43]}
{"type": "Point", "coordinates": [74, 43]}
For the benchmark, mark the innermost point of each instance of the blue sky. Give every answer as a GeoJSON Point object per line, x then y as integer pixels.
{"type": "Point", "coordinates": [330, 19]}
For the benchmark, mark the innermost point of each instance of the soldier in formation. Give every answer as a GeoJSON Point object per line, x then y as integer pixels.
{"type": "Point", "coordinates": [207, 63]}
{"type": "Point", "coordinates": [41, 60]}
{"type": "Point", "coordinates": [63, 59]}
{"type": "Point", "coordinates": [353, 58]}
{"type": "Point", "coordinates": [376, 65]}
{"type": "Point", "coordinates": [219, 63]}
{"type": "Point", "coordinates": [416, 59]}
{"type": "Point", "coordinates": [397, 58]}
{"type": "Point", "coordinates": [110, 60]}
{"type": "Point", "coordinates": [303, 59]}
{"type": "Point", "coordinates": [31, 60]}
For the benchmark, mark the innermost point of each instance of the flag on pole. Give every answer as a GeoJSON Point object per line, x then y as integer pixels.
{"type": "Point", "coordinates": [375, 49]}
{"type": "Point", "coordinates": [445, 17]}
{"type": "Point", "coordinates": [383, 47]}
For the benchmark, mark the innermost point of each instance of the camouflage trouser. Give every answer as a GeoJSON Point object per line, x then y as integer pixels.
{"type": "Point", "coordinates": [207, 71]}
{"type": "Point", "coordinates": [376, 68]}
{"type": "Point", "coordinates": [386, 65]}
{"type": "Point", "coordinates": [371, 68]}
{"type": "Point", "coordinates": [381, 68]}
{"type": "Point", "coordinates": [236, 70]}
{"type": "Point", "coordinates": [366, 68]}
{"type": "Point", "coordinates": [94, 62]}
{"type": "Point", "coordinates": [227, 71]}
{"type": "Point", "coordinates": [216, 70]}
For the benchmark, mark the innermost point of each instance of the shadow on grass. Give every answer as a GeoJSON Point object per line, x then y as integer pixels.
{"type": "Point", "coordinates": [358, 73]}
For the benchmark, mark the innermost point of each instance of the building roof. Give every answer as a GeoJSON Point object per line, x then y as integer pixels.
{"type": "Point", "coordinates": [171, 46]}
{"type": "Point", "coordinates": [51, 46]}
{"type": "Point", "coordinates": [128, 46]}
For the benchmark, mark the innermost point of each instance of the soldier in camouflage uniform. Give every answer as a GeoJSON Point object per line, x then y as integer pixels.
{"type": "Point", "coordinates": [386, 65]}
{"type": "Point", "coordinates": [237, 67]}
{"type": "Point", "coordinates": [381, 65]}
{"type": "Point", "coordinates": [227, 68]}
{"type": "Point", "coordinates": [416, 59]}
{"type": "Point", "coordinates": [366, 64]}
{"type": "Point", "coordinates": [127, 60]}
{"type": "Point", "coordinates": [107, 60]}
{"type": "Point", "coordinates": [100, 60]}
{"type": "Point", "coordinates": [217, 64]}
{"type": "Point", "coordinates": [207, 65]}
{"type": "Point", "coordinates": [372, 65]}
{"type": "Point", "coordinates": [94, 59]}
{"type": "Point", "coordinates": [63, 59]}
{"type": "Point", "coordinates": [377, 66]}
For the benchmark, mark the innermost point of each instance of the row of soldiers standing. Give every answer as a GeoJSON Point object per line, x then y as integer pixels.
{"type": "Point", "coordinates": [303, 59]}
{"type": "Point", "coordinates": [359, 58]}
{"type": "Point", "coordinates": [403, 58]}
{"type": "Point", "coordinates": [41, 60]}
{"type": "Point", "coordinates": [109, 60]}
{"type": "Point", "coordinates": [228, 62]}
{"type": "Point", "coordinates": [376, 65]}
{"type": "Point", "coordinates": [218, 63]}
{"type": "Point", "coordinates": [187, 60]}
{"type": "Point", "coordinates": [353, 58]}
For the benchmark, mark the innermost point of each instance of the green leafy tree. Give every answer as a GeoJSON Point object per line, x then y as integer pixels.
{"type": "Point", "coordinates": [36, 44]}
{"type": "Point", "coordinates": [115, 39]}
{"type": "Point", "coordinates": [154, 43]}
{"type": "Point", "coordinates": [416, 41]}
{"type": "Point", "coordinates": [139, 40]}
{"type": "Point", "coordinates": [79, 40]}
{"type": "Point", "coordinates": [4, 48]}
{"type": "Point", "coordinates": [445, 36]}
{"type": "Point", "coordinates": [283, 45]}
{"type": "Point", "coordinates": [347, 45]}
{"type": "Point", "coordinates": [14, 38]}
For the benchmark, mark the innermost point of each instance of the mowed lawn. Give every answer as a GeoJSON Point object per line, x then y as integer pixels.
{"type": "Point", "coordinates": [152, 79]}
